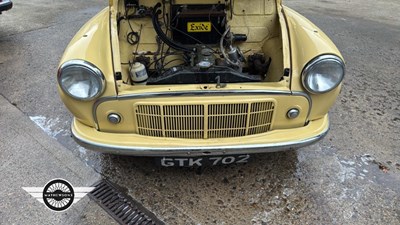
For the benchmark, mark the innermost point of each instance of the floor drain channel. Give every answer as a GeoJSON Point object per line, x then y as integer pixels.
{"type": "Point", "coordinates": [120, 206]}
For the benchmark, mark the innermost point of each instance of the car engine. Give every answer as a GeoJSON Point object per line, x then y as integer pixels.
{"type": "Point", "coordinates": [195, 45]}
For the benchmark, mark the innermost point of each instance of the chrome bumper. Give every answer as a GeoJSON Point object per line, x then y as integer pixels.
{"type": "Point", "coordinates": [197, 151]}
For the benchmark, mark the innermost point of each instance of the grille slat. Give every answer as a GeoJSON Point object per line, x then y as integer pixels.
{"type": "Point", "coordinates": [199, 121]}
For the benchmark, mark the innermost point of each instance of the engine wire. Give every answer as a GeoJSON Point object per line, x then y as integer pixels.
{"type": "Point", "coordinates": [173, 60]}
{"type": "Point", "coordinates": [159, 63]}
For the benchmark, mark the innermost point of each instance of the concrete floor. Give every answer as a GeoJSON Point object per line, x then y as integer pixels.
{"type": "Point", "coordinates": [351, 177]}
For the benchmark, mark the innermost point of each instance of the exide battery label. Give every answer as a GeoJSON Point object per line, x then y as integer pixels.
{"type": "Point", "coordinates": [199, 26]}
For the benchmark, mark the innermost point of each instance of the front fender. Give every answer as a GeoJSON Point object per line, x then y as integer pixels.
{"type": "Point", "coordinates": [91, 43]}
{"type": "Point", "coordinates": [307, 41]}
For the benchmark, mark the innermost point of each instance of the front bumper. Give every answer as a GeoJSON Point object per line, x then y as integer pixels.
{"type": "Point", "coordinates": [138, 145]}
{"type": "Point", "coordinates": [5, 5]}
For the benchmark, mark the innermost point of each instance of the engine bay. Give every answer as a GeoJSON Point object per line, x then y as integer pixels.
{"type": "Point", "coordinates": [171, 42]}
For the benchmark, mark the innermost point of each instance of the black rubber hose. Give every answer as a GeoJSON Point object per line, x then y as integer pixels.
{"type": "Point", "coordinates": [161, 33]}
{"type": "Point", "coordinates": [164, 37]}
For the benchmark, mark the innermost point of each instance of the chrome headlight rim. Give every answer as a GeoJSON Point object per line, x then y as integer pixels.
{"type": "Point", "coordinates": [78, 63]}
{"type": "Point", "coordinates": [317, 60]}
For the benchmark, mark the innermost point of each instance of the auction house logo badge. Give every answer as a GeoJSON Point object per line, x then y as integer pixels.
{"type": "Point", "coordinates": [58, 194]}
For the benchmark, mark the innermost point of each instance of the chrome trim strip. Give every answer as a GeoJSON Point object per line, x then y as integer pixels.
{"type": "Point", "coordinates": [310, 103]}
{"type": "Point", "coordinates": [197, 93]}
{"type": "Point", "coordinates": [200, 150]}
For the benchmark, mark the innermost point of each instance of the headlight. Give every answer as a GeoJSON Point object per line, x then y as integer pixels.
{"type": "Point", "coordinates": [323, 74]}
{"type": "Point", "coordinates": [81, 80]}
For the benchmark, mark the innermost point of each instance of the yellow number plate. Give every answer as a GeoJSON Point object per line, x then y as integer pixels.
{"type": "Point", "coordinates": [199, 27]}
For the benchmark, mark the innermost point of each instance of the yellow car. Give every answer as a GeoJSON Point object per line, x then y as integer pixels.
{"type": "Point", "coordinates": [188, 78]}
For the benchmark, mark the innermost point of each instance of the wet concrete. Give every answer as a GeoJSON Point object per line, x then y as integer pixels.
{"type": "Point", "coordinates": [29, 158]}
{"type": "Point", "coordinates": [351, 177]}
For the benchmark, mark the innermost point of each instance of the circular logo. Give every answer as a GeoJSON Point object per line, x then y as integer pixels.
{"type": "Point", "coordinates": [58, 195]}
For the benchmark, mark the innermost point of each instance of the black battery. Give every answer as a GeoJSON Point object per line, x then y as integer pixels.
{"type": "Point", "coordinates": [198, 24]}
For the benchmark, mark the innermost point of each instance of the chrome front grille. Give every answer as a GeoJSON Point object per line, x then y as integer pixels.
{"type": "Point", "coordinates": [203, 121]}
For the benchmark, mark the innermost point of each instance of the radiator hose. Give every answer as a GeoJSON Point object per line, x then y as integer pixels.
{"type": "Point", "coordinates": [162, 35]}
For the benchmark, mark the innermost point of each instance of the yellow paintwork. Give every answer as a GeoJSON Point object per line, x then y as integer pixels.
{"type": "Point", "coordinates": [92, 44]}
{"type": "Point", "coordinates": [308, 41]}
{"type": "Point", "coordinates": [283, 34]}
{"type": "Point", "coordinates": [126, 108]}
